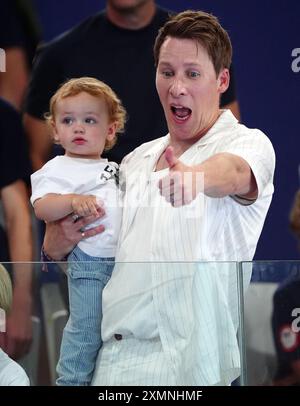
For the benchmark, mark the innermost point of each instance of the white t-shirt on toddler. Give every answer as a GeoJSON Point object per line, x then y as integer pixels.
{"type": "Point", "coordinates": [64, 175]}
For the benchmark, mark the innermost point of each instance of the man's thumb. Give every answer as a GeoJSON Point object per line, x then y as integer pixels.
{"type": "Point", "coordinates": [170, 157]}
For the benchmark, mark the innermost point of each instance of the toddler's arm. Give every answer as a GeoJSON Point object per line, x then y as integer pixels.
{"type": "Point", "coordinates": [52, 207]}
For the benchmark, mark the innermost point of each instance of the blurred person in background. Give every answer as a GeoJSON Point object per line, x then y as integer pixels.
{"type": "Point", "coordinates": [286, 317]}
{"type": "Point", "coordinates": [19, 36]}
{"type": "Point", "coordinates": [286, 332]}
{"type": "Point", "coordinates": [11, 374]}
{"type": "Point", "coordinates": [16, 235]}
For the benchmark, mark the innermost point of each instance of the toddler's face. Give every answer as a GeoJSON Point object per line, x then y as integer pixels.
{"type": "Point", "coordinates": [82, 125]}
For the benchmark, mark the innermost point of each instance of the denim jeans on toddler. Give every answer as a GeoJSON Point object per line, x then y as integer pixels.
{"type": "Point", "coordinates": [87, 276]}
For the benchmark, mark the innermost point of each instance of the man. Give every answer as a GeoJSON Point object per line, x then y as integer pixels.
{"type": "Point", "coordinates": [16, 237]}
{"type": "Point", "coordinates": [115, 46]}
{"type": "Point", "coordinates": [169, 318]}
{"type": "Point", "coordinates": [11, 374]}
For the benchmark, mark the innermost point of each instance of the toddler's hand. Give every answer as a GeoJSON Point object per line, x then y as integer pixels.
{"type": "Point", "coordinates": [84, 205]}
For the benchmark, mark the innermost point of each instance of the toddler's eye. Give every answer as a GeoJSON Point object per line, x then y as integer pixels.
{"type": "Point", "coordinates": [90, 120]}
{"type": "Point", "coordinates": [67, 120]}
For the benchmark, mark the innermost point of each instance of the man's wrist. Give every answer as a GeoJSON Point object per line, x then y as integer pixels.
{"type": "Point", "coordinates": [45, 257]}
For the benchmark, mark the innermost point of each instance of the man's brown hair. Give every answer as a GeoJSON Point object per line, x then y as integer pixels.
{"type": "Point", "coordinates": [203, 28]}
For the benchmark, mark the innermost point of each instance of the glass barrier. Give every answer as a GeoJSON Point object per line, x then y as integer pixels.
{"type": "Point", "coordinates": [242, 318]}
{"type": "Point", "coordinates": [194, 307]}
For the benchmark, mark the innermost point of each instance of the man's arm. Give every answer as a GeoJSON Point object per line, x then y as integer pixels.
{"type": "Point", "coordinates": [39, 139]}
{"type": "Point", "coordinates": [227, 174]}
{"type": "Point", "coordinates": [224, 174]}
{"type": "Point", "coordinates": [18, 224]}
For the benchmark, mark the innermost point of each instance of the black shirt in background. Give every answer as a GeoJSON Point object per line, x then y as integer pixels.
{"type": "Point", "coordinates": [14, 160]}
{"type": "Point", "coordinates": [19, 27]}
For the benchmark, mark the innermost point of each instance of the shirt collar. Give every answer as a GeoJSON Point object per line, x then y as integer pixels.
{"type": "Point", "coordinates": [158, 146]}
{"type": "Point", "coordinates": [225, 121]}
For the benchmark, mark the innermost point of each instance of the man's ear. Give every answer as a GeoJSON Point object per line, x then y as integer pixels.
{"type": "Point", "coordinates": [223, 80]}
{"type": "Point", "coordinates": [112, 131]}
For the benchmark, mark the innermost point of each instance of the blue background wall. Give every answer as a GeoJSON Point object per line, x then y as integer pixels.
{"type": "Point", "coordinates": [263, 34]}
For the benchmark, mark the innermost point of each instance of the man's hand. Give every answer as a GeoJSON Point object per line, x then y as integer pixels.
{"type": "Point", "coordinates": [63, 235]}
{"type": "Point", "coordinates": [179, 187]}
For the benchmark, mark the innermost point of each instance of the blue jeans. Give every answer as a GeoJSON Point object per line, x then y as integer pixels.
{"type": "Point", "coordinates": [82, 335]}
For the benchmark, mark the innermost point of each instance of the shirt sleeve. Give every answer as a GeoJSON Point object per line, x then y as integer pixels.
{"type": "Point", "coordinates": [256, 149]}
{"type": "Point", "coordinates": [46, 181]}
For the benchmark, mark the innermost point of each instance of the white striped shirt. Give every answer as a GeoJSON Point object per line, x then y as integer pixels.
{"type": "Point", "coordinates": [191, 306]}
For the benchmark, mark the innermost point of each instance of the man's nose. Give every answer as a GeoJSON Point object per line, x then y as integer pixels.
{"type": "Point", "coordinates": [177, 87]}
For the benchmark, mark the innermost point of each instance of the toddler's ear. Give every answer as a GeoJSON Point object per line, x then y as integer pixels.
{"type": "Point", "coordinates": [112, 130]}
{"type": "Point", "coordinates": [55, 133]}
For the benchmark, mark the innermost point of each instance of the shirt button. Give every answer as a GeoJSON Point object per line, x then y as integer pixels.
{"type": "Point", "coordinates": [118, 337]}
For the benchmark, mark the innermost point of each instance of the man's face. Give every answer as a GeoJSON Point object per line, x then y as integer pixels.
{"type": "Point", "coordinates": [126, 5]}
{"type": "Point", "coordinates": [188, 88]}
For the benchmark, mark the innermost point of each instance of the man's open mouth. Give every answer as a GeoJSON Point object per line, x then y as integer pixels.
{"type": "Point", "coordinates": [181, 113]}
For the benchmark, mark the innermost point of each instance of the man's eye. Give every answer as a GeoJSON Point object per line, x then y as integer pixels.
{"type": "Point", "coordinates": [167, 73]}
{"type": "Point", "coordinates": [90, 120]}
{"type": "Point", "coordinates": [67, 120]}
{"type": "Point", "coordinates": [194, 74]}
